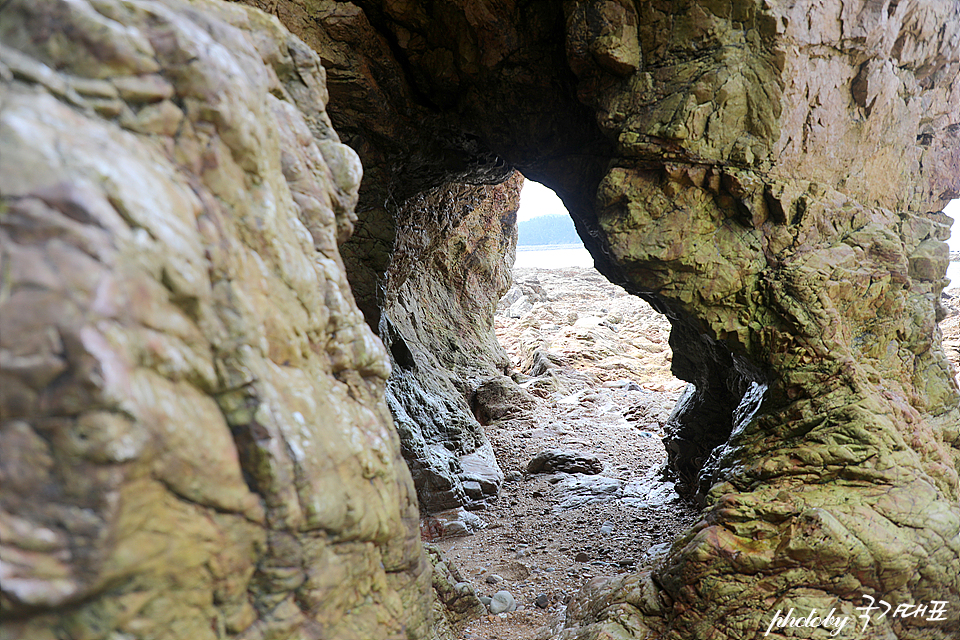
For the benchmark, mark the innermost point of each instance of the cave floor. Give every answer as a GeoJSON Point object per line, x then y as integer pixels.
{"type": "Point", "coordinates": [608, 393]}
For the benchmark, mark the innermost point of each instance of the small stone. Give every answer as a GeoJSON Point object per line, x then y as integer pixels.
{"type": "Point", "coordinates": [486, 600]}
{"type": "Point", "coordinates": [542, 601]}
{"type": "Point", "coordinates": [554, 460]}
{"type": "Point", "coordinates": [626, 562]}
{"type": "Point", "coordinates": [512, 476]}
{"type": "Point", "coordinates": [465, 588]}
{"type": "Point", "coordinates": [502, 602]}
{"type": "Point", "coordinates": [494, 579]}
{"type": "Point", "coordinates": [582, 557]}
{"type": "Point", "coordinates": [647, 434]}
{"type": "Point", "coordinates": [606, 529]}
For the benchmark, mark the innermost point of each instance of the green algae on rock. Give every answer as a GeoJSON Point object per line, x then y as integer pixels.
{"type": "Point", "coordinates": [195, 439]}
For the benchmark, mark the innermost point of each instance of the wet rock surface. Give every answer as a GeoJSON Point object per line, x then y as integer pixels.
{"type": "Point", "coordinates": [448, 267]}
{"type": "Point", "coordinates": [549, 534]}
{"type": "Point", "coordinates": [194, 438]}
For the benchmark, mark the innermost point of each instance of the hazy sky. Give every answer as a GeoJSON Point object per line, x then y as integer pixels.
{"type": "Point", "coordinates": [537, 200]}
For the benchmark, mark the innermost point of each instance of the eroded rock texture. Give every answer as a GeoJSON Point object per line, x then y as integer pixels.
{"type": "Point", "coordinates": [792, 210]}
{"type": "Point", "coordinates": [194, 438]}
{"type": "Point", "coordinates": [448, 269]}
{"type": "Point", "coordinates": [769, 175]}
{"type": "Point", "coordinates": [432, 251]}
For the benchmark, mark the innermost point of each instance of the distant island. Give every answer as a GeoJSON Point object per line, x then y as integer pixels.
{"type": "Point", "coordinates": [546, 230]}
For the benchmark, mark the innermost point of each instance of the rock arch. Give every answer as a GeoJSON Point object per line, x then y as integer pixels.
{"type": "Point", "coordinates": [781, 206]}
{"type": "Point", "coordinates": [768, 175]}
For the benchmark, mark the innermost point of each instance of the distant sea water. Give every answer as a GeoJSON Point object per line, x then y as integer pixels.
{"type": "Point", "coordinates": [558, 256]}
{"type": "Point", "coordinates": [553, 256]}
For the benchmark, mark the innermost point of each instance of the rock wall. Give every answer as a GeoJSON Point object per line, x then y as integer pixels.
{"type": "Point", "coordinates": [432, 249]}
{"type": "Point", "coordinates": [194, 439]}
{"type": "Point", "coordinates": [449, 267]}
{"type": "Point", "coordinates": [789, 201]}
{"type": "Point", "coordinates": [770, 176]}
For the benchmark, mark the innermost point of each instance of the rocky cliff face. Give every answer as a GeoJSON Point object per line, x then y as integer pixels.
{"type": "Point", "coordinates": [195, 441]}
{"type": "Point", "coordinates": [768, 175]}
{"type": "Point", "coordinates": [449, 267]}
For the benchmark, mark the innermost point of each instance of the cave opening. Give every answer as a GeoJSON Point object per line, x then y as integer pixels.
{"type": "Point", "coordinates": [576, 426]}
{"type": "Point", "coordinates": [592, 351]}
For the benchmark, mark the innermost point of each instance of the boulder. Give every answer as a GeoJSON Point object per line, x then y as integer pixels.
{"type": "Point", "coordinates": [502, 602]}
{"type": "Point", "coordinates": [499, 397]}
{"type": "Point", "coordinates": [565, 461]}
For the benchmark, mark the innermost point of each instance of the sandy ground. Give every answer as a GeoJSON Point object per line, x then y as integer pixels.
{"type": "Point", "coordinates": [608, 392]}
{"type": "Point", "coordinates": [603, 388]}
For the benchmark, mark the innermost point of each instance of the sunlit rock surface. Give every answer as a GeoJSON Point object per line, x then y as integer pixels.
{"type": "Point", "coordinates": [194, 441]}
{"type": "Point", "coordinates": [202, 445]}
{"type": "Point", "coordinates": [770, 176]}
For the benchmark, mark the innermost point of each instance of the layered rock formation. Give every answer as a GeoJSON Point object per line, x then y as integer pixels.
{"type": "Point", "coordinates": [769, 175]}
{"type": "Point", "coordinates": [195, 441]}
{"type": "Point", "coordinates": [448, 269]}
{"type": "Point", "coordinates": [793, 212]}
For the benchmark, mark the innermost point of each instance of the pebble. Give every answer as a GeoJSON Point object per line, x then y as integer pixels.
{"type": "Point", "coordinates": [616, 384]}
{"type": "Point", "coordinates": [582, 557]}
{"type": "Point", "coordinates": [626, 562]}
{"type": "Point", "coordinates": [494, 579]}
{"type": "Point", "coordinates": [542, 601]}
{"type": "Point", "coordinates": [486, 600]}
{"type": "Point", "coordinates": [606, 529]}
{"type": "Point", "coordinates": [502, 602]}
{"type": "Point", "coordinates": [647, 434]}
{"type": "Point", "coordinates": [465, 588]}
